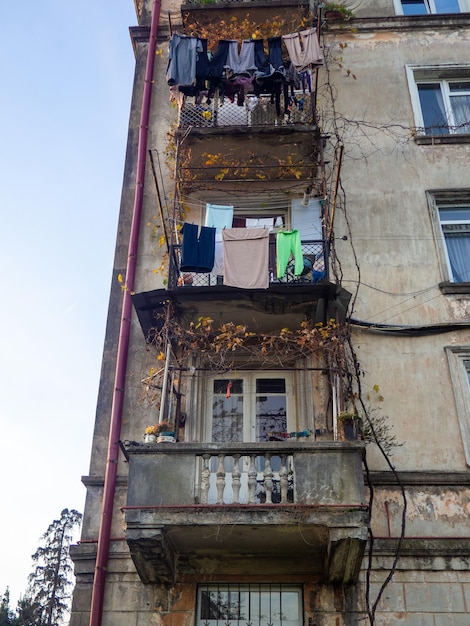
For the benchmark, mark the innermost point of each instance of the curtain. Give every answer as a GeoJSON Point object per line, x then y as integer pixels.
{"type": "Point", "coordinates": [461, 109]}
{"type": "Point", "coordinates": [458, 250]}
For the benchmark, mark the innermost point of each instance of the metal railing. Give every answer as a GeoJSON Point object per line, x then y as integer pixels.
{"type": "Point", "coordinates": [252, 111]}
{"type": "Point", "coordinates": [315, 262]}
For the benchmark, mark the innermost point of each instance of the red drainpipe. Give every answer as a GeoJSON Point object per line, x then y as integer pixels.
{"type": "Point", "coordinates": [124, 333]}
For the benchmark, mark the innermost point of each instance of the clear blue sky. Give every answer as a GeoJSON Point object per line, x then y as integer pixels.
{"type": "Point", "coordinates": [67, 72]}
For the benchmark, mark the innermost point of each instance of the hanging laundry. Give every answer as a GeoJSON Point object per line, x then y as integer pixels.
{"type": "Point", "coordinates": [287, 244]}
{"type": "Point", "coordinates": [218, 268]}
{"type": "Point", "coordinates": [219, 216]}
{"type": "Point", "coordinates": [261, 60]}
{"type": "Point", "coordinates": [243, 62]}
{"type": "Point", "coordinates": [246, 254]}
{"type": "Point", "coordinates": [275, 54]}
{"type": "Point", "coordinates": [182, 58]}
{"type": "Point", "coordinates": [219, 59]}
{"type": "Point", "coordinates": [197, 254]}
{"type": "Point", "coordinates": [304, 49]}
{"type": "Point", "coordinates": [202, 61]}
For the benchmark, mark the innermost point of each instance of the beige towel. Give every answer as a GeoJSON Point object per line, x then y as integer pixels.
{"type": "Point", "coordinates": [246, 254]}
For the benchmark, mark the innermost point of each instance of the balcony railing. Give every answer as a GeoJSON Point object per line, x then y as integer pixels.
{"type": "Point", "coordinates": [253, 111]}
{"type": "Point", "coordinates": [253, 474]}
{"type": "Point", "coordinates": [315, 256]}
{"type": "Point", "coordinates": [244, 479]}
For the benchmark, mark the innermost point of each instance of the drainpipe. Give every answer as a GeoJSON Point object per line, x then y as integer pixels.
{"type": "Point", "coordinates": [109, 488]}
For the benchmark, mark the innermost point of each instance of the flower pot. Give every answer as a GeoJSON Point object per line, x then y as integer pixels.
{"type": "Point", "coordinates": [150, 438]}
{"type": "Point", "coordinates": [333, 15]}
{"type": "Point", "coordinates": [166, 436]}
{"type": "Point", "coordinates": [349, 428]}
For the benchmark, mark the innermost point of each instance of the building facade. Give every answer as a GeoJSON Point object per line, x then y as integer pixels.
{"type": "Point", "coordinates": [290, 302]}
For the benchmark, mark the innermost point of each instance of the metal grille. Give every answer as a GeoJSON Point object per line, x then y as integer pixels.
{"type": "Point", "coordinates": [255, 111]}
{"type": "Point", "coordinates": [249, 605]}
{"type": "Point", "coordinates": [315, 268]}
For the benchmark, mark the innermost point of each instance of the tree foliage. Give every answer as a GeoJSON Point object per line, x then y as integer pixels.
{"type": "Point", "coordinates": [6, 614]}
{"type": "Point", "coordinates": [27, 612]}
{"type": "Point", "coordinates": [49, 589]}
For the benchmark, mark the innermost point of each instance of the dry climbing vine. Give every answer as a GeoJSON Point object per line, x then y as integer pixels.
{"type": "Point", "coordinates": [226, 346]}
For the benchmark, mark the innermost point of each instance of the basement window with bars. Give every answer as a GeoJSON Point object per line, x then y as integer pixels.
{"type": "Point", "coordinates": [250, 604]}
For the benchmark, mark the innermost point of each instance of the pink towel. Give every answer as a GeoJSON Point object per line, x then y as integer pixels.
{"type": "Point", "coordinates": [246, 255]}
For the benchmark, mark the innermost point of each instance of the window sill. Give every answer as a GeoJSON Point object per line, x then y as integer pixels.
{"type": "Point", "coordinates": [428, 140]}
{"type": "Point", "coordinates": [449, 288]}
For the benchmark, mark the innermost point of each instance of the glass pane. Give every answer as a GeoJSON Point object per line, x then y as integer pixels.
{"type": "Point", "coordinates": [447, 6]}
{"type": "Point", "coordinates": [271, 407]}
{"type": "Point", "coordinates": [290, 606]}
{"type": "Point", "coordinates": [270, 385]}
{"type": "Point", "coordinates": [460, 103]}
{"type": "Point", "coordinates": [432, 107]}
{"type": "Point", "coordinates": [227, 410]}
{"type": "Point", "coordinates": [271, 416]}
{"type": "Point", "coordinates": [222, 385]}
{"type": "Point", "coordinates": [455, 214]}
{"type": "Point", "coordinates": [458, 250]}
{"type": "Point", "coordinates": [414, 7]}
{"type": "Point", "coordinates": [467, 367]}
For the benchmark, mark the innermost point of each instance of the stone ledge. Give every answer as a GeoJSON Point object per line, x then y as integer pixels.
{"type": "Point", "coordinates": [423, 478]}
{"type": "Point", "coordinates": [449, 288]}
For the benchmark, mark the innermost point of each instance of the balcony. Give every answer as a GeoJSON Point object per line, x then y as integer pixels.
{"type": "Point", "coordinates": [286, 303]}
{"type": "Point", "coordinates": [251, 509]}
{"type": "Point", "coordinates": [315, 255]}
{"type": "Point", "coordinates": [252, 112]}
{"type": "Point", "coordinates": [208, 12]}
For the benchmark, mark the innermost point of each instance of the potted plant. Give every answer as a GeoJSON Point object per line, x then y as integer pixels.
{"type": "Point", "coordinates": [161, 433]}
{"type": "Point", "coordinates": [349, 425]}
{"type": "Point", "coordinates": [337, 11]}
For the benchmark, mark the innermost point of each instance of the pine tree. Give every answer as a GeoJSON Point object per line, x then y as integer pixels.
{"type": "Point", "coordinates": [28, 613]}
{"type": "Point", "coordinates": [5, 613]}
{"type": "Point", "coordinates": [48, 593]}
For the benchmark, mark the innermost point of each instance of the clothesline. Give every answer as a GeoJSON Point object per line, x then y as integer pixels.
{"type": "Point", "coordinates": [240, 255]}
{"type": "Point", "coordinates": [192, 69]}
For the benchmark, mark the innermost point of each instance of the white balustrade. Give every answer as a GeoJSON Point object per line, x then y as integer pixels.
{"type": "Point", "coordinates": [236, 478]}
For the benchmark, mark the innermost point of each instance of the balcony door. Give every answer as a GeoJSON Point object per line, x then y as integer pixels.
{"type": "Point", "coordinates": [251, 407]}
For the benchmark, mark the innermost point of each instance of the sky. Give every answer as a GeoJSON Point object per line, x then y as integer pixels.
{"type": "Point", "coordinates": [67, 71]}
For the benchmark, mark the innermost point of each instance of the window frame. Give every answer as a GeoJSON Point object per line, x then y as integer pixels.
{"type": "Point", "coordinates": [255, 588]}
{"type": "Point", "coordinates": [249, 394]}
{"type": "Point", "coordinates": [459, 365]}
{"type": "Point", "coordinates": [441, 199]}
{"type": "Point", "coordinates": [442, 75]}
{"type": "Point", "coordinates": [430, 6]}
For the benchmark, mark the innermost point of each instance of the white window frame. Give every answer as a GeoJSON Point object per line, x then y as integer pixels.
{"type": "Point", "coordinates": [459, 364]}
{"type": "Point", "coordinates": [431, 6]}
{"type": "Point", "coordinates": [452, 199]}
{"type": "Point", "coordinates": [249, 378]}
{"type": "Point", "coordinates": [439, 74]}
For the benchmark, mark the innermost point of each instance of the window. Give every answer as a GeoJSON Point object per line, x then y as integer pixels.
{"type": "Point", "coordinates": [455, 226]}
{"type": "Point", "coordinates": [423, 7]}
{"type": "Point", "coordinates": [249, 604]}
{"type": "Point", "coordinates": [250, 407]}
{"type": "Point", "coordinates": [441, 99]}
{"type": "Point", "coordinates": [459, 363]}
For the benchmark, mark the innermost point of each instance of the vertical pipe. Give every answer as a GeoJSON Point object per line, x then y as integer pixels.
{"type": "Point", "coordinates": [96, 610]}
{"type": "Point", "coordinates": [165, 383]}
